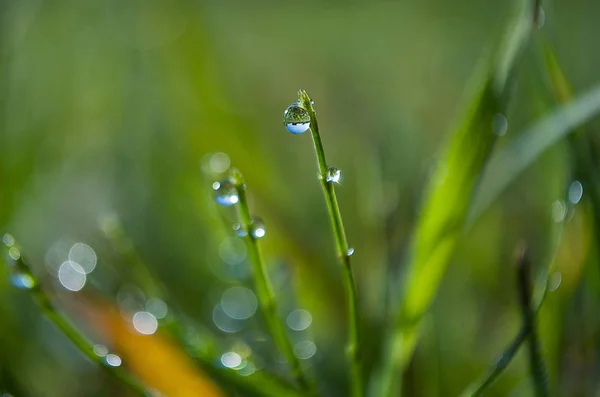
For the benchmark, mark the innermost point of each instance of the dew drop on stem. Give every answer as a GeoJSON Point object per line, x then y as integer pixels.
{"type": "Point", "coordinates": [296, 119]}
{"type": "Point", "coordinates": [225, 192]}
{"type": "Point", "coordinates": [334, 175]}
{"type": "Point", "coordinates": [257, 228]}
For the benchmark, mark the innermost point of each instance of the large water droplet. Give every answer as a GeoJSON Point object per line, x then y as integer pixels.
{"type": "Point", "coordinates": [575, 192]}
{"type": "Point", "coordinates": [334, 175]}
{"type": "Point", "coordinates": [296, 119]}
{"type": "Point", "coordinates": [226, 193]}
{"type": "Point", "coordinates": [257, 228]}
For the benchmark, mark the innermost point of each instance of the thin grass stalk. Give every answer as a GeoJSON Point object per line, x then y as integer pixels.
{"type": "Point", "coordinates": [264, 288]}
{"type": "Point", "coordinates": [29, 282]}
{"type": "Point", "coordinates": [536, 360]}
{"type": "Point", "coordinates": [342, 250]}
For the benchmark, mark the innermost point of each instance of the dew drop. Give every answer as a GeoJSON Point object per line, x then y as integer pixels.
{"type": "Point", "coordinates": [299, 319]}
{"type": "Point", "coordinates": [231, 360]}
{"type": "Point", "coordinates": [71, 276]}
{"type": "Point", "coordinates": [257, 228]}
{"type": "Point", "coordinates": [8, 240]}
{"type": "Point", "coordinates": [350, 251]}
{"type": "Point", "coordinates": [157, 307]}
{"type": "Point", "coordinates": [239, 230]}
{"type": "Point", "coordinates": [499, 124]}
{"type": "Point", "coordinates": [305, 349]}
{"type": "Point", "coordinates": [22, 280]}
{"type": "Point", "coordinates": [541, 18]}
{"type": "Point", "coordinates": [296, 119]}
{"type": "Point", "coordinates": [84, 256]}
{"type": "Point", "coordinates": [226, 193]}
{"type": "Point", "coordinates": [113, 360]}
{"type": "Point", "coordinates": [555, 281]}
{"type": "Point", "coordinates": [100, 350]}
{"type": "Point", "coordinates": [575, 192]}
{"type": "Point", "coordinates": [559, 211]}
{"type": "Point", "coordinates": [334, 175]}
{"type": "Point", "coordinates": [145, 323]}
{"type": "Point", "coordinates": [239, 303]}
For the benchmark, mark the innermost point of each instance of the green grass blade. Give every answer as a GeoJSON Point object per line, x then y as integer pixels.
{"type": "Point", "coordinates": [447, 201]}
{"type": "Point", "coordinates": [507, 164]}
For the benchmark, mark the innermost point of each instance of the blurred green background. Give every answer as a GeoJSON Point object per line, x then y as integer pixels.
{"type": "Point", "coordinates": [112, 112]}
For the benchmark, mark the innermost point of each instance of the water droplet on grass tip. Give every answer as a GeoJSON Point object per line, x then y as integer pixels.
{"type": "Point", "coordinates": [350, 252]}
{"type": "Point", "coordinates": [226, 193]}
{"type": "Point", "coordinates": [334, 175]}
{"type": "Point", "coordinates": [257, 228]}
{"type": "Point", "coordinates": [296, 119]}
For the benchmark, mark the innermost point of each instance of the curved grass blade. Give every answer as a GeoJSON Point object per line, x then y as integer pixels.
{"type": "Point", "coordinates": [446, 205]}
{"type": "Point", "coordinates": [507, 164]}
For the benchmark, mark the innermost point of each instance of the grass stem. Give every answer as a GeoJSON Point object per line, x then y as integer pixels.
{"type": "Point", "coordinates": [343, 253]}
{"type": "Point", "coordinates": [264, 289]}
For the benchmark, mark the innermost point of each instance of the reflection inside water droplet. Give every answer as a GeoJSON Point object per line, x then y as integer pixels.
{"type": "Point", "coordinates": [334, 175]}
{"type": "Point", "coordinates": [305, 349]}
{"type": "Point", "coordinates": [299, 319]}
{"type": "Point", "coordinates": [575, 192]}
{"type": "Point", "coordinates": [296, 119]}
{"type": "Point", "coordinates": [225, 193]}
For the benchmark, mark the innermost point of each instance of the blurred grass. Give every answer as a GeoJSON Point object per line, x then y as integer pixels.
{"type": "Point", "coordinates": [109, 107]}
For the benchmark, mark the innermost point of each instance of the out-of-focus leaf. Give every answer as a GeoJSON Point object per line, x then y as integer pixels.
{"type": "Point", "coordinates": [508, 163]}
{"type": "Point", "coordinates": [447, 201]}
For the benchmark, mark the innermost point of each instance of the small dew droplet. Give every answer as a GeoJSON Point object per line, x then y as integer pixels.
{"type": "Point", "coordinates": [334, 175]}
{"type": "Point", "coordinates": [499, 124]}
{"type": "Point", "coordinates": [575, 192]}
{"type": "Point", "coordinates": [350, 252]}
{"type": "Point", "coordinates": [226, 193]}
{"type": "Point", "coordinates": [257, 228]}
{"type": "Point", "coordinates": [296, 119]}
{"type": "Point", "coordinates": [22, 281]}
{"type": "Point", "coordinates": [113, 360]}
{"type": "Point", "coordinates": [559, 211]}
{"type": "Point", "coordinates": [541, 18]}
{"type": "Point", "coordinates": [239, 230]}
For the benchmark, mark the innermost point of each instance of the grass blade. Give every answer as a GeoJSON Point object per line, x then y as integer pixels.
{"type": "Point", "coordinates": [447, 201]}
